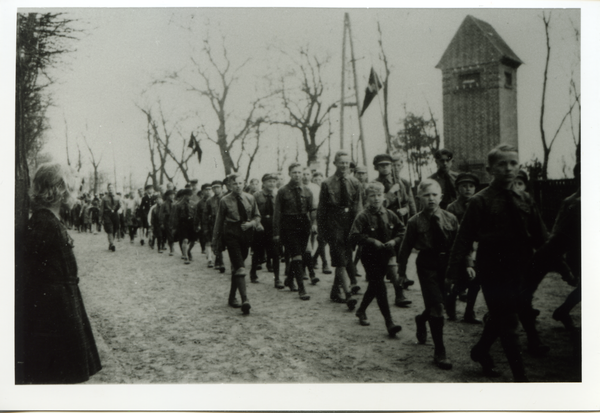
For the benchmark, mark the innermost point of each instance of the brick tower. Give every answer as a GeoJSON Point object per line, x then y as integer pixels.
{"type": "Point", "coordinates": [479, 80]}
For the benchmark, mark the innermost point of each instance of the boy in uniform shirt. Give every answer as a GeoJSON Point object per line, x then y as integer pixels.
{"type": "Point", "coordinates": [263, 236]}
{"type": "Point", "coordinates": [293, 216]}
{"type": "Point", "coordinates": [445, 176]}
{"type": "Point", "coordinates": [144, 208]}
{"type": "Point", "coordinates": [317, 179]}
{"type": "Point", "coordinates": [432, 232]}
{"type": "Point", "coordinates": [397, 200]}
{"type": "Point", "coordinates": [466, 185]}
{"type": "Point", "coordinates": [109, 207]}
{"type": "Point", "coordinates": [166, 210]}
{"type": "Point", "coordinates": [507, 226]}
{"type": "Point", "coordinates": [184, 222]}
{"type": "Point", "coordinates": [237, 217]}
{"type": "Point", "coordinates": [204, 195]}
{"type": "Point", "coordinates": [208, 223]}
{"type": "Point", "coordinates": [339, 203]}
{"type": "Point", "coordinates": [157, 232]}
{"type": "Point", "coordinates": [131, 217]}
{"type": "Point", "coordinates": [379, 232]}
{"type": "Point", "coordinates": [307, 260]}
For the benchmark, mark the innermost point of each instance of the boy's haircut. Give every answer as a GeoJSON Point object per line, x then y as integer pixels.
{"type": "Point", "coordinates": [374, 187]}
{"type": "Point", "coordinates": [53, 182]}
{"type": "Point", "coordinates": [316, 173]}
{"type": "Point", "coordinates": [440, 152]}
{"type": "Point", "coordinates": [339, 154]}
{"type": "Point", "coordinates": [426, 183]}
{"type": "Point", "coordinates": [495, 153]}
{"type": "Point", "coordinates": [231, 178]}
{"type": "Point", "coordinates": [294, 165]}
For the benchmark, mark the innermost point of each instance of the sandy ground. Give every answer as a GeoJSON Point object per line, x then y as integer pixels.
{"type": "Point", "coordinates": [157, 320]}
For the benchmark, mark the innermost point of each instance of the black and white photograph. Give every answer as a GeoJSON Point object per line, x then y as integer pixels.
{"type": "Point", "coordinates": [378, 207]}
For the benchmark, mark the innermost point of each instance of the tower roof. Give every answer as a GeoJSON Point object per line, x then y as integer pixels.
{"type": "Point", "coordinates": [477, 42]}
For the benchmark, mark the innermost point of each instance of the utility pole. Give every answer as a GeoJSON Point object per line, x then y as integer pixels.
{"type": "Point", "coordinates": [343, 85]}
{"type": "Point", "coordinates": [348, 30]}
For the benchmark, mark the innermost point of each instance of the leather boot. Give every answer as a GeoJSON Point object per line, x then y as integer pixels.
{"type": "Point", "coordinates": [436, 324]}
{"type": "Point", "coordinates": [240, 281]}
{"type": "Point", "coordinates": [392, 328]}
{"type": "Point", "coordinates": [297, 271]}
{"type": "Point", "coordinates": [401, 300]}
{"type": "Point", "coordinates": [451, 306]}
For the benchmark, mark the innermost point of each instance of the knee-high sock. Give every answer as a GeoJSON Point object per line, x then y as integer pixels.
{"type": "Point", "coordinates": [241, 286]}
{"type": "Point", "coordinates": [297, 273]}
{"type": "Point", "coordinates": [233, 288]}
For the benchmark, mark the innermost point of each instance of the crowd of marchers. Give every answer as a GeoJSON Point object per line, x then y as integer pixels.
{"type": "Point", "coordinates": [468, 240]}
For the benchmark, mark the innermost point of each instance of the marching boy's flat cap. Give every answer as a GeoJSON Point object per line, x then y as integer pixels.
{"type": "Point", "coordinates": [216, 183]}
{"type": "Point", "coordinates": [382, 158]}
{"type": "Point", "coordinates": [194, 181]}
{"type": "Point", "coordinates": [149, 186]}
{"type": "Point", "coordinates": [360, 168]}
{"type": "Point", "coordinates": [204, 186]}
{"type": "Point", "coordinates": [268, 176]}
{"type": "Point", "coordinates": [466, 177]}
{"type": "Point", "coordinates": [185, 192]}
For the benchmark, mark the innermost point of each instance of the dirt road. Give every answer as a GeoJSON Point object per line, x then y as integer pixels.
{"type": "Point", "coordinates": [157, 320]}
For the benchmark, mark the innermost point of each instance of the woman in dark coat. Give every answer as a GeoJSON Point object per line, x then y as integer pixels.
{"type": "Point", "coordinates": [54, 340]}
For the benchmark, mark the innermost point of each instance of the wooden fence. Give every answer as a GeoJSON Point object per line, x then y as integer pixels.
{"type": "Point", "coordinates": [549, 195]}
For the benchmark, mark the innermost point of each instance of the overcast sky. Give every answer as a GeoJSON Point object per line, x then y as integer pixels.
{"type": "Point", "coordinates": [123, 50]}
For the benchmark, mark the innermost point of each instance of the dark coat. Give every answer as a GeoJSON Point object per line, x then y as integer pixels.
{"type": "Point", "coordinates": [54, 340]}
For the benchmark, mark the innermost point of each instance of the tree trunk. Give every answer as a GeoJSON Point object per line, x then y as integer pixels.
{"type": "Point", "coordinates": [21, 183]}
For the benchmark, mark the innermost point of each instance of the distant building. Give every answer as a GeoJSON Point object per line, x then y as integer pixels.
{"type": "Point", "coordinates": [479, 78]}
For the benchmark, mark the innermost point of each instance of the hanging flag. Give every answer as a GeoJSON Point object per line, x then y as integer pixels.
{"type": "Point", "coordinates": [371, 90]}
{"type": "Point", "coordinates": [195, 147]}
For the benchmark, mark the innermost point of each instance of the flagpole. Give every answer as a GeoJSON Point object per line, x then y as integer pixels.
{"type": "Point", "coordinates": [360, 128]}
{"type": "Point", "coordinates": [385, 131]}
{"type": "Point", "coordinates": [343, 84]}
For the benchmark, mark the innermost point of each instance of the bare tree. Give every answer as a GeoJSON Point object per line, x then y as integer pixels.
{"type": "Point", "coordinates": [158, 146]}
{"type": "Point", "coordinates": [214, 79]}
{"type": "Point", "coordinates": [95, 163]}
{"type": "Point", "coordinates": [548, 143]}
{"type": "Point", "coordinates": [304, 108]}
{"type": "Point", "coordinates": [41, 40]}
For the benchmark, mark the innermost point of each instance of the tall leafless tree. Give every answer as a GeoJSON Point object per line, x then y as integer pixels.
{"type": "Point", "coordinates": [95, 162]}
{"type": "Point", "coordinates": [213, 78]}
{"type": "Point", "coordinates": [546, 142]}
{"type": "Point", "coordinates": [302, 97]}
{"type": "Point", "coordinates": [41, 40]}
